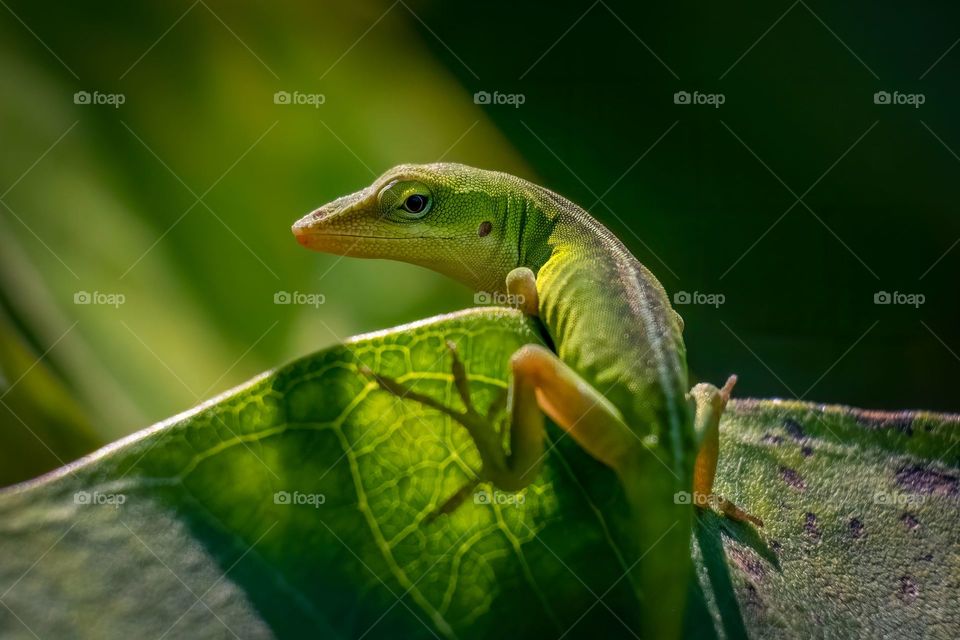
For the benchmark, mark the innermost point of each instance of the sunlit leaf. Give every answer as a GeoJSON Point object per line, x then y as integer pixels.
{"type": "Point", "coordinates": [297, 504]}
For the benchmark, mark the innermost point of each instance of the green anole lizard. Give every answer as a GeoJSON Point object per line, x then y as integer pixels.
{"type": "Point", "coordinates": [617, 381]}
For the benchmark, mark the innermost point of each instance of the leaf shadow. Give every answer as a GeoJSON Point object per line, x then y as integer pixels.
{"type": "Point", "coordinates": [709, 529]}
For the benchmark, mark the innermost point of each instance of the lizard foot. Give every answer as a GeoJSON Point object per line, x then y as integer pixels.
{"type": "Point", "coordinates": [732, 511]}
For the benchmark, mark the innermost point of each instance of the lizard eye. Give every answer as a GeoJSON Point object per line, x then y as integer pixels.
{"type": "Point", "coordinates": [405, 200]}
{"type": "Point", "coordinates": [417, 204]}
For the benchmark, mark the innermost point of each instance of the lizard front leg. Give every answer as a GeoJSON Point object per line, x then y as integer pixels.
{"type": "Point", "coordinates": [540, 384]}
{"type": "Point", "coordinates": [522, 289]}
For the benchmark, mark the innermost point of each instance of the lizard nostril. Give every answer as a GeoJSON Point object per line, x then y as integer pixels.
{"type": "Point", "coordinates": [485, 228]}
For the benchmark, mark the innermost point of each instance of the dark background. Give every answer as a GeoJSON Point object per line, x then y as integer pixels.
{"type": "Point", "coordinates": [96, 198]}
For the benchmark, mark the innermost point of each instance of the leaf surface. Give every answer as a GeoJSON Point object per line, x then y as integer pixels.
{"type": "Point", "coordinates": [297, 504]}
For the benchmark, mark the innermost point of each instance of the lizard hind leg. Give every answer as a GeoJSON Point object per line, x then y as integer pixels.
{"type": "Point", "coordinates": [710, 403]}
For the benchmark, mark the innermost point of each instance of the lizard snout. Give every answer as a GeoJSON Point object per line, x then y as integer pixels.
{"type": "Point", "coordinates": [323, 228]}
{"type": "Point", "coordinates": [325, 220]}
{"type": "Point", "coordinates": [303, 227]}
{"type": "Point", "coordinates": [310, 224]}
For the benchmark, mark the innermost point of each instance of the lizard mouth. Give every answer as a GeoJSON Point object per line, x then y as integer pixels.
{"type": "Point", "coordinates": [310, 234]}
{"type": "Point", "coordinates": [321, 239]}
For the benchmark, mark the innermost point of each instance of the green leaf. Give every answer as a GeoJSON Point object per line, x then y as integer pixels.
{"type": "Point", "coordinates": [295, 505]}
{"type": "Point", "coordinates": [200, 516]}
{"type": "Point", "coordinates": [862, 515]}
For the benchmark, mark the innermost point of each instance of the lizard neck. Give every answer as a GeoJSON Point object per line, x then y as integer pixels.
{"type": "Point", "coordinates": [546, 225]}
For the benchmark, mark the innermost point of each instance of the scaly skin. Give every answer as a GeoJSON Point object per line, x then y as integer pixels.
{"type": "Point", "coordinates": [608, 316]}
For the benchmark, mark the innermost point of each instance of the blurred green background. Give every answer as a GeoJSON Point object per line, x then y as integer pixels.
{"type": "Point", "coordinates": [180, 198]}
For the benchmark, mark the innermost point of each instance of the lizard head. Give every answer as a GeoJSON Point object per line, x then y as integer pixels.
{"type": "Point", "coordinates": [450, 218]}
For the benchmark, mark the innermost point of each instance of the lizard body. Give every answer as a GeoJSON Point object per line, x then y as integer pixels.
{"type": "Point", "coordinates": [617, 382]}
